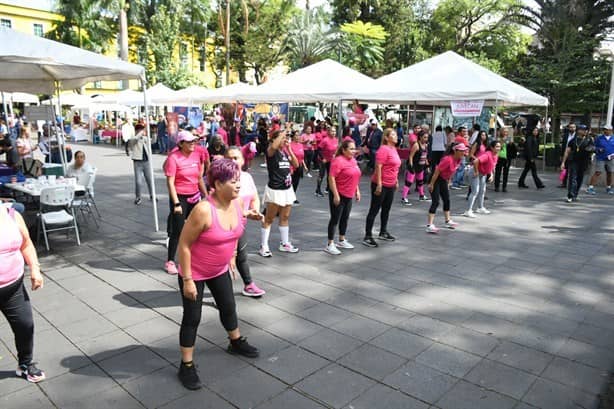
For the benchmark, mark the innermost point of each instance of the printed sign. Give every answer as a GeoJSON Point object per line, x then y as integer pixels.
{"type": "Point", "coordinates": [467, 108]}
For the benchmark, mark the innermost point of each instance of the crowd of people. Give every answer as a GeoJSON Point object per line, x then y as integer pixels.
{"type": "Point", "coordinates": [211, 196]}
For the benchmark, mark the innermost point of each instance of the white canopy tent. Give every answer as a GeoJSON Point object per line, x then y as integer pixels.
{"type": "Point", "coordinates": [325, 81]}
{"type": "Point", "coordinates": [444, 78]}
{"type": "Point", "coordinates": [125, 97]}
{"type": "Point", "coordinates": [69, 99]}
{"type": "Point", "coordinates": [23, 97]}
{"type": "Point", "coordinates": [193, 94]}
{"type": "Point", "coordinates": [37, 65]}
{"type": "Point", "coordinates": [229, 94]}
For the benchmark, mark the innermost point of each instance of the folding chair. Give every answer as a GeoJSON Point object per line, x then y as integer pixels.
{"type": "Point", "coordinates": [54, 197]}
{"type": "Point", "coordinates": [85, 202]}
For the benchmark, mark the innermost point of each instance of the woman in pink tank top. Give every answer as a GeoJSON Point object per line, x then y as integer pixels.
{"type": "Point", "coordinates": [15, 247]}
{"type": "Point", "coordinates": [207, 251]}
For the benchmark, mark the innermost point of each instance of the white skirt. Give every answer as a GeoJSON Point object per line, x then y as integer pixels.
{"type": "Point", "coordinates": [279, 197]}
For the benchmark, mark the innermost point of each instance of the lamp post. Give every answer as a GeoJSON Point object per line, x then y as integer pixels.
{"type": "Point", "coordinates": [610, 53]}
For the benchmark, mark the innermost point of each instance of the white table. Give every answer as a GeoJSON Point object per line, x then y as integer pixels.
{"type": "Point", "coordinates": [32, 187]}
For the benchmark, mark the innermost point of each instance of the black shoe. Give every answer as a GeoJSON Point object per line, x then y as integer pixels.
{"type": "Point", "coordinates": [369, 242]}
{"type": "Point", "coordinates": [240, 346]}
{"type": "Point", "coordinates": [319, 194]}
{"type": "Point", "coordinates": [30, 372]}
{"type": "Point", "coordinates": [541, 186]}
{"type": "Point", "coordinates": [523, 187]}
{"type": "Point", "coordinates": [496, 189]}
{"type": "Point", "coordinates": [386, 236]}
{"type": "Point", "coordinates": [189, 376]}
{"type": "Point", "coordinates": [137, 201]}
{"type": "Point", "coordinates": [504, 190]}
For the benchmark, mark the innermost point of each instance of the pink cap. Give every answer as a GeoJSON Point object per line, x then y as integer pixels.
{"type": "Point", "coordinates": [460, 147]}
{"type": "Point", "coordinates": [185, 136]}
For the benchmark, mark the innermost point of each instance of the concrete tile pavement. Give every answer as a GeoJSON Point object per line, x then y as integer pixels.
{"type": "Point", "coordinates": [512, 310]}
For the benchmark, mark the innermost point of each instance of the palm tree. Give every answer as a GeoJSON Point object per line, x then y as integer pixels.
{"type": "Point", "coordinates": [308, 40]}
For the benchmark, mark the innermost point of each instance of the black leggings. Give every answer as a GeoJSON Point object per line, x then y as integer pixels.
{"type": "Point", "coordinates": [502, 169]}
{"type": "Point", "coordinates": [339, 215]}
{"type": "Point", "coordinates": [324, 171]}
{"type": "Point", "coordinates": [296, 177]}
{"type": "Point", "coordinates": [175, 222]}
{"type": "Point", "coordinates": [529, 165]}
{"type": "Point", "coordinates": [309, 159]}
{"type": "Point", "coordinates": [15, 305]}
{"type": "Point", "coordinates": [242, 264]}
{"type": "Point", "coordinates": [221, 290]}
{"type": "Point", "coordinates": [440, 189]}
{"type": "Point", "coordinates": [382, 201]}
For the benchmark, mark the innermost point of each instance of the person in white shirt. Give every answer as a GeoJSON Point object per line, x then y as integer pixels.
{"type": "Point", "coordinates": [79, 168]}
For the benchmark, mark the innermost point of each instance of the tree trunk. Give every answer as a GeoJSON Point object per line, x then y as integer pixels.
{"type": "Point", "coordinates": [123, 34]}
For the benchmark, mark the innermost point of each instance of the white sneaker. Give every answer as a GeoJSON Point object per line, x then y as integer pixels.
{"type": "Point", "coordinates": [451, 224]}
{"type": "Point", "coordinates": [265, 252]}
{"type": "Point", "coordinates": [309, 175]}
{"type": "Point", "coordinates": [263, 165]}
{"type": "Point", "coordinates": [405, 202]}
{"type": "Point", "coordinates": [344, 244]}
{"type": "Point", "coordinates": [288, 248]}
{"type": "Point", "coordinates": [332, 249]}
{"type": "Point", "coordinates": [430, 228]}
{"type": "Point", "coordinates": [469, 213]}
{"type": "Point", "coordinates": [483, 210]}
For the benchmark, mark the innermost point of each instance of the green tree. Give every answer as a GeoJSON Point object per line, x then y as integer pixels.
{"type": "Point", "coordinates": [163, 39]}
{"type": "Point", "coordinates": [309, 40]}
{"type": "Point", "coordinates": [561, 64]}
{"type": "Point", "coordinates": [365, 41]}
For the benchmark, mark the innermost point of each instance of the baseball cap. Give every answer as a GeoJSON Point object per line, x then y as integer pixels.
{"type": "Point", "coordinates": [582, 126]}
{"type": "Point", "coordinates": [608, 127]}
{"type": "Point", "coordinates": [460, 147]}
{"type": "Point", "coordinates": [185, 136]}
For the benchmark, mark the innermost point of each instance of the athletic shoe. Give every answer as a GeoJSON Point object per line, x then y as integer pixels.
{"type": "Point", "coordinates": [263, 165]}
{"type": "Point", "coordinates": [30, 373]}
{"type": "Point", "coordinates": [454, 187]}
{"type": "Point", "coordinates": [430, 228]}
{"type": "Point", "coordinates": [386, 236]}
{"type": "Point", "coordinates": [609, 191]}
{"type": "Point", "coordinates": [318, 194]}
{"type": "Point", "coordinates": [496, 189]}
{"type": "Point", "coordinates": [451, 224]}
{"type": "Point", "coordinates": [309, 175]}
{"type": "Point", "coordinates": [541, 186]}
{"type": "Point", "coordinates": [575, 199]}
{"type": "Point", "coordinates": [138, 201]}
{"type": "Point", "coordinates": [591, 191]}
{"type": "Point", "coordinates": [504, 190]}
{"type": "Point", "coordinates": [240, 346]}
{"type": "Point", "coordinates": [151, 198]}
{"type": "Point", "coordinates": [369, 242]}
{"type": "Point", "coordinates": [252, 290]}
{"type": "Point", "coordinates": [171, 268]}
{"type": "Point", "coordinates": [344, 244]}
{"type": "Point", "coordinates": [265, 252]}
{"type": "Point", "coordinates": [424, 199]}
{"type": "Point", "coordinates": [568, 200]}
{"type": "Point", "coordinates": [523, 187]}
{"type": "Point", "coordinates": [288, 248]}
{"type": "Point", "coordinates": [405, 202]}
{"type": "Point", "coordinates": [470, 214]}
{"type": "Point", "coordinates": [189, 376]}
{"type": "Point", "coordinates": [296, 203]}
{"type": "Point", "coordinates": [483, 210]}
{"type": "Point", "coordinates": [332, 249]}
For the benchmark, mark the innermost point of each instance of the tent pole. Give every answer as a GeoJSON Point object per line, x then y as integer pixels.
{"type": "Point", "coordinates": [340, 121]}
{"type": "Point", "coordinates": [149, 152]}
{"type": "Point", "coordinates": [6, 112]}
{"type": "Point", "coordinates": [545, 139]}
{"type": "Point", "coordinates": [60, 134]}
{"type": "Point", "coordinates": [413, 120]}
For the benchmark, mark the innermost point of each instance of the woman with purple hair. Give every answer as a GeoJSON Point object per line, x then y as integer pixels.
{"type": "Point", "coordinates": [207, 252]}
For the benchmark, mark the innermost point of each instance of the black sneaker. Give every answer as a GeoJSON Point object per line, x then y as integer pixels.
{"type": "Point", "coordinates": [319, 194]}
{"type": "Point", "coordinates": [369, 242]}
{"type": "Point", "coordinates": [240, 346]}
{"type": "Point", "coordinates": [386, 236]}
{"type": "Point", "coordinates": [137, 201]}
{"type": "Point", "coordinates": [189, 376]}
{"type": "Point", "coordinates": [30, 373]}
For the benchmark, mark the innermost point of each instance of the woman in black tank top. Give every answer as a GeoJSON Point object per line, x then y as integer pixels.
{"type": "Point", "coordinates": [278, 193]}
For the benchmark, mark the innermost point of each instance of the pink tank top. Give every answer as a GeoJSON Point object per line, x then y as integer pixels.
{"type": "Point", "coordinates": [11, 267]}
{"type": "Point", "coordinates": [214, 247]}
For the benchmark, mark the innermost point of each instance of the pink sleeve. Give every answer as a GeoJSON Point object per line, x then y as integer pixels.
{"type": "Point", "coordinates": [381, 156]}
{"type": "Point", "coordinates": [171, 166]}
{"type": "Point", "coordinates": [335, 168]}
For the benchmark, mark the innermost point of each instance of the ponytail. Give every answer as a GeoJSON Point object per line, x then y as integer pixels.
{"type": "Point", "coordinates": [344, 146]}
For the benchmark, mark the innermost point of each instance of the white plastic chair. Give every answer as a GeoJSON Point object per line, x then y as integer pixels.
{"type": "Point", "coordinates": [85, 202]}
{"type": "Point", "coordinates": [60, 196]}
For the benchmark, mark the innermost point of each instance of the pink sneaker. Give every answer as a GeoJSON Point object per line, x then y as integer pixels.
{"type": "Point", "coordinates": [171, 268]}
{"type": "Point", "coordinates": [252, 290]}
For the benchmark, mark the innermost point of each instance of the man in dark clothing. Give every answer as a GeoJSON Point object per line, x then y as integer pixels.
{"type": "Point", "coordinates": [237, 134]}
{"type": "Point", "coordinates": [373, 141]}
{"type": "Point", "coordinates": [577, 156]}
{"type": "Point", "coordinates": [531, 149]}
{"type": "Point", "coordinates": [569, 134]}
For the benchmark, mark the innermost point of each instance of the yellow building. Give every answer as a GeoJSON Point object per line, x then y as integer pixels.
{"type": "Point", "coordinates": [37, 17]}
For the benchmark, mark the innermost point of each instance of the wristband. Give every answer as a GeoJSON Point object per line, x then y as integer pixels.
{"type": "Point", "coordinates": [177, 204]}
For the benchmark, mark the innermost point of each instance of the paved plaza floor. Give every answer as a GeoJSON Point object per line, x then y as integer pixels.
{"type": "Point", "coordinates": [511, 310]}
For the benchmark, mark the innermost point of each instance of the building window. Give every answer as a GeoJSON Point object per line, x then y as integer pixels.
{"type": "Point", "coordinates": [202, 60]}
{"type": "Point", "coordinates": [38, 30]}
{"type": "Point", "coordinates": [98, 84]}
{"type": "Point", "coordinates": [6, 23]}
{"type": "Point", "coordinates": [183, 52]}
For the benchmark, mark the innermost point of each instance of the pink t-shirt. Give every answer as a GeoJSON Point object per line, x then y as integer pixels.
{"type": "Point", "coordinates": [318, 136]}
{"type": "Point", "coordinates": [222, 132]}
{"type": "Point", "coordinates": [186, 170]}
{"type": "Point", "coordinates": [347, 175]}
{"type": "Point", "coordinates": [249, 150]}
{"type": "Point", "coordinates": [202, 153]}
{"type": "Point", "coordinates": [388, 157]}
{"type": "Point", "coordinates": [447, 166]}
{"type": "Point", "coordinates": [11, 268]}
{"type": "Point", "coordinates": [214, 247]}
{"type": "Point", "coordinates": [487, 162]}
{"type": "Point", "coordinates": [308, 141]}
{"type": "Point", "coordinates": [299, 152]}
{"type": "Point", "coordinates": [328, 147]}
{"type": "Point", "coordinates": [248, 190]}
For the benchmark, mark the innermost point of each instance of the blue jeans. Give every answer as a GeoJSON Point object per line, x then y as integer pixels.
{"type": "Point", "coordinates": [163, 143]}
{"type": "Point", "coordinates": [459, 176]}
{"type": "Point", "coordinates": [478, 189]}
